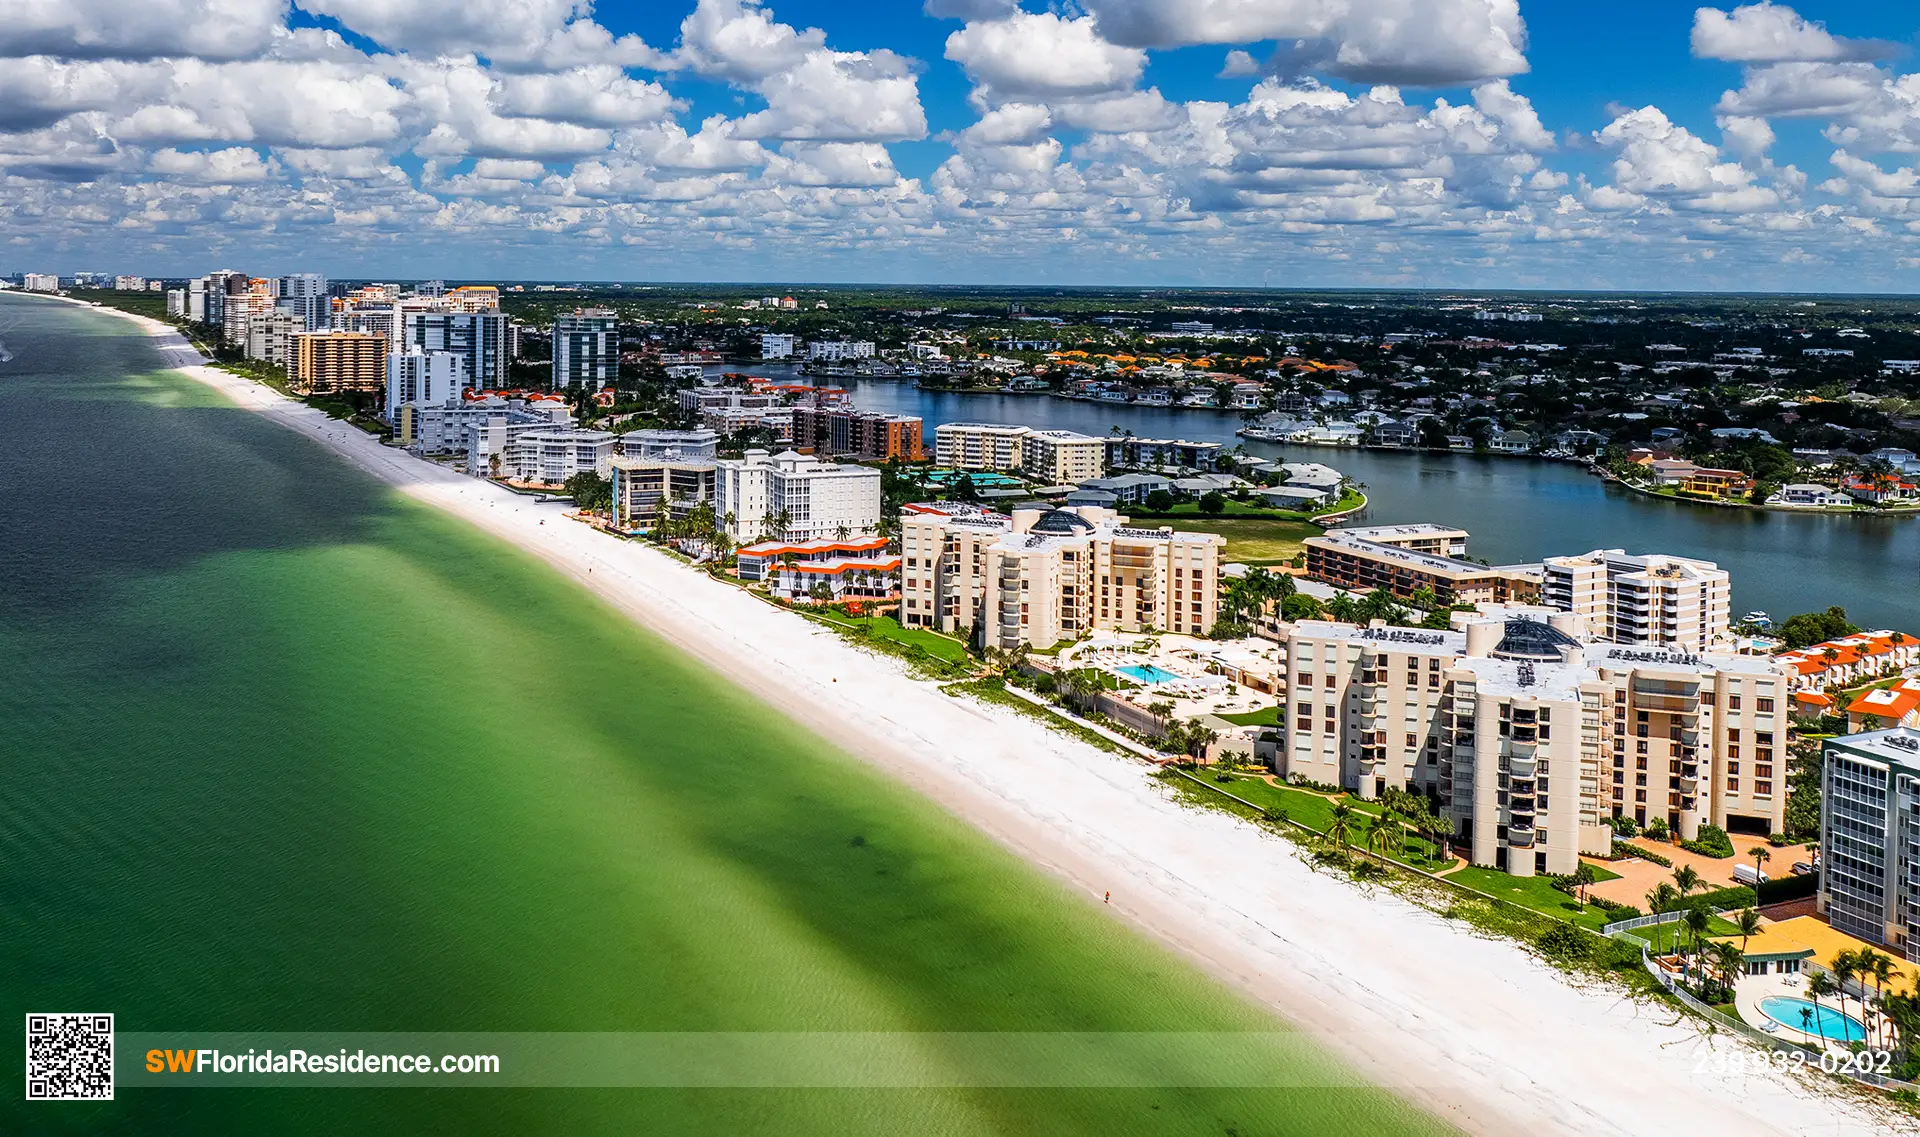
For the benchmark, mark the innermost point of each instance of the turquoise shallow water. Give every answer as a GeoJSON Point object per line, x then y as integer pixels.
{"type": "Point", "coordinates": [282, 752]}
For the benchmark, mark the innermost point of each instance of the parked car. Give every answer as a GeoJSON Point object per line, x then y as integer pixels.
{"type": "Point", "coordinates": [1801, 868]}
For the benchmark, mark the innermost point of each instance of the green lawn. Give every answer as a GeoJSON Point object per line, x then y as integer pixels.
{"type": "Point", "coordinates": [1316, 813]}
{"type": "Point", "coordinates": [1265, 716]}
{"type": "Point", "coordinates": [1664, 936]}
{"type": "Point", "coordinates": [887, 628]}
{"type": "Point", "coordinates": [1249, 540]}
{"type": "Point", "coordinates": [1535, 892]}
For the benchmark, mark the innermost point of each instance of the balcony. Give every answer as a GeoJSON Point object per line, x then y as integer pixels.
{"type": "Point", "coordinates": [1463, 707]}
{"type": "Point", "coordinates": [1521, 766]}
{"type": "Point", "coordinates": [1521, 805]}
{"type": "Point", "coordinates": [1518, 749]}
{"type": "Point", "coordinates": [1520, 836]}
{"type": "Point", "coordinates": [1689, 784]}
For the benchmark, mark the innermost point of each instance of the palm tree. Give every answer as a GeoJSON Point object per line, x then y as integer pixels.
{"type": "Point", "coordinates": [1584, 876]}
{"type": "Point", "coordinates": [1661, 899]}
{"type": "Point", "coordinates": [1760, 857]}
{"type": "Point", "coordinates": [1685, 879]}
{"type": "Point", "coordinates": [1340, 829]}
{"type": "Point", "coordinates": [1728, 960]}
{"type": "Point", "coordinates": [1845, 966]}
{"type": "Point", "coordinates": [1379, 835]}
{"type": "Point", "coordinates": [1822, 983]}
{"type": "Point", "coordinates": [1697, 922]}
{"type": "Point", "coordinates": [1749, 921]}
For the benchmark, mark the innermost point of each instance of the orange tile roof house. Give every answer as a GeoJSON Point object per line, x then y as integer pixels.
{"type": "Point", "coordinates": [1849, 659]}
{"type": "Point", "coordinates": [1881, 707]}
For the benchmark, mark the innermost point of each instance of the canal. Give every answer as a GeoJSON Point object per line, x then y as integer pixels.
{"type": "Point", "coordinates": [1522, 509]}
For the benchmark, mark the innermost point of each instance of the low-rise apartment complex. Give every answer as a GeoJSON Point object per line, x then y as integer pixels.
{"type": "Point", "coordinates": [1040, 576]}
{"type": "Point", "coordinates": [1405, 559]}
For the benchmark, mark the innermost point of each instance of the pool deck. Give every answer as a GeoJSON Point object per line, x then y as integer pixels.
{"type": "Point", "coordinates": [1751, 989]}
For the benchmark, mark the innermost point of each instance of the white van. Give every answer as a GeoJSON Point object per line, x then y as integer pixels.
{"type": "Point", "coordinates": [1748, 875]}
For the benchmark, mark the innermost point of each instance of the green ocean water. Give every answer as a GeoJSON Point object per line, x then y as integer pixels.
{"type": "Point", "coordinates": [280, 751]}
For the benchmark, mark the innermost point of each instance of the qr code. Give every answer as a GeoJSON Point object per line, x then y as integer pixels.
{"type": "Point", "coordinates": [69, 1057]}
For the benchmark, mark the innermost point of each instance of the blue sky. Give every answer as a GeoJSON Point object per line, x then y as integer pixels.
{"type": "Point", "coordinates": [1449, 143]}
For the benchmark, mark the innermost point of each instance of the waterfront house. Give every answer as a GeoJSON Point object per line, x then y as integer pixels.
{"type": "Point", "coordinates": [1880, 489]}
{"type": "Point", "coordinates": [829, 570]}
{"type": "Point", "coordinates": [1390, 433]}
{"type": "Point", "coordinates": [1295, 497]}
{"type": "Point", "coordinates": [1710, 482]}
{"type": "Point", "coordinates": [1880, 707]}
{"type": "Point", "coordinates": [1809, 495]}
{"type": "Point", "coordinates": [1510, 442]}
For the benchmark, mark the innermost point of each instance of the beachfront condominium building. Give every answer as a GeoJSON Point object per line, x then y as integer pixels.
{"type": "Point", "coordinates": [304, 294]}
{"type": "Point", "coordinates": [1041, 576]}
{"type": "Point", "coordinates": [327, 363]}
{"type": "Point", "coordinates": [422, 378]}
{"type": "Point", "coordinates": [1057, 457]}
{"type": "Point", "coordinates": [1529, 736]}
{"type": "Point", "coordinates": [791, 496]}
{"type": "Point", "coordinates": [776, 346]}
{"type": "Point", "coordinates": [240, 308]}
{"type": "Point", "coordinates": [647, 487]}
{"type": "Point", "coordinates": [586, 349]}
{"type": "Point", "coordinates": [1870, 837]}
{"type": "Point", "coordinates": [1406, 559]}
{"type": "Point", "coordinates": [1649, 599]}
{"type": "Point", "coordinates": [480, 338]}
{"type": "Point", "coordinates": [870, 435]}
{"type": "Point", "coordinates": [550, 455]}
{"type": "Point", "coordinates": [269, 337]}
{"type": "Point", "coordinates": [40, 282]}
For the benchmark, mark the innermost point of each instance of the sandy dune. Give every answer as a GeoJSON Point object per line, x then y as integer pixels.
{"type": "Point", "coordinates": [1474, 1028]}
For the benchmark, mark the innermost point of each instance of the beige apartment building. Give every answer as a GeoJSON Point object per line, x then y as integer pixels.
{"type": "Point", "coordinates": [987, 446]}
{"type": "Point", "coordinates": [1529, 736]}
{"type": "Point", "coordinates": [1056, 457]}
{"type": "Point", "coordinates": [1405, 559]}
{"type": "Point", "coordinates": [327, 363]}
{"type": "Point", "coordinates": [1041, 576]}
{"type": "Point", "coordinates": [1063, 457]}
{"type": "Point", "coordinates": [1647, 599]}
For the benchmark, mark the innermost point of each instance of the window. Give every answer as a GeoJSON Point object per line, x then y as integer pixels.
{"type": "Point", "coordinates": [1733, 752]}
{"type": "Point", "coordinates": [1733, 785]}
{"type": "Point", "coordinates": [1763, 789]}
{"type": "Point", "coordinates": [1332, 682]}
{"type": "Point", "coordinates": [1640, 747]}
{"type": "Point", "coordinates": [1733, 702]}
{"type": "Point", "coordinates": [1306, 679]}
{"type": "Point", "coordinates": [1763, 770]}
{"type": "Point", "coordinates": [1733, 767]}
{"type": "Point", "coordinates": [1764, 706]}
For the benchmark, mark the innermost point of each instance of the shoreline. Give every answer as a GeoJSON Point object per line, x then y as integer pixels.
{"type": "Point", "coordinates": [1474, 1029]}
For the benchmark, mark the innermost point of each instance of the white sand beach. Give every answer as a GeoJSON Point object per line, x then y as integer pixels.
{"type": "Point", "coordinates": [1471, 1027]}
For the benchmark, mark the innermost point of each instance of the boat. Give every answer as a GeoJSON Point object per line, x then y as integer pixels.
{"type": "Point", "coordinates": [1757, 617]}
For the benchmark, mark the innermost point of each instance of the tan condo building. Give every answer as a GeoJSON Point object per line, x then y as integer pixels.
{"type": "Point", "coordinates": [1056, 457]}
{"type": "Point", "coordinates": [1650, 599]}
{"type": "Point", "coordinates": [1404, 559]}
{"type": "Point", "coordinates": [1041, 576]}
{"type": "Point", "coordinates": [327, 363]}
{"type": "Point", "coordinates": [1529, 737]}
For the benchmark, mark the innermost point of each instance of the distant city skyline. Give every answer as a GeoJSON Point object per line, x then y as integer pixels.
{"type": "Point", "coordinates": [1451, 144]}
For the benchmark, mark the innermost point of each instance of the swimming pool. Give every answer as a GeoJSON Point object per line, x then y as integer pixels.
{"type": "Point", "coordinates": [1147, 673]}
{"type": "Point", "coordinates": [1826, 1022]}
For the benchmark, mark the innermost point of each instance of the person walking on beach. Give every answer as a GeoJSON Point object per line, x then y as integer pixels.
{"type": "Point", "coordinates": [1109, 899]}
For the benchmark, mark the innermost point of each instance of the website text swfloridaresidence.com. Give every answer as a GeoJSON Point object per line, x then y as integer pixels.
{"type": "Point", "coordinates": [296, 1061]}
{"type": "Point", "coordinates": [738, 1060]}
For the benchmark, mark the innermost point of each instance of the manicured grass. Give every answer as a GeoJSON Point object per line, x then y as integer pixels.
{"type": "Point", "coordinates": [1535, 892]}
{"type": "Point", "coordinates": [1316, 813]}
{"type": "Point", "coordinates": [1601, 873]}
{"type": "Point", "coordinates": [1249, 539]}
{"type": "Point", "coordinates": [1265, 716]}
{"type": "Point", "coordinates": [937, 645]}
{"type": "Point", "coordinates": [1663, 937]}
